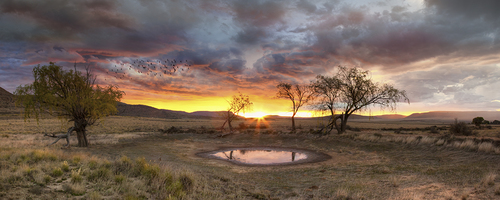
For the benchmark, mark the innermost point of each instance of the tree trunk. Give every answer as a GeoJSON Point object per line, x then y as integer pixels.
{"type": "Point", "coordinates": [339, 128]}
{"type": "Point", "coordinates": [229, 124]}
{"type": "Point", "coordinates": [82, 138]}
{"type": "Point", "coordinates": [81, 133]}
{"type": "Point", "coordinates": [343, 123]}
{"type": "Point", "coordinates": [293, 122]}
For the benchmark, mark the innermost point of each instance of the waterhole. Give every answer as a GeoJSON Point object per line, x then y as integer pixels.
{"type": "Point", "coordinates": [261, 156]}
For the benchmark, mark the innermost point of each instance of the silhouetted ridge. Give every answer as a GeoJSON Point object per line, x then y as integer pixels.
{"type": "Point", "coordinates": [6, 99]}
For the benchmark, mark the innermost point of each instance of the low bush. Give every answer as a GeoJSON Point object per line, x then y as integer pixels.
{"type": "Point", "coordinates": [433, 129]}
{"type": "Point", "coordinates": [57, 172]}
{"type": "Point", "coordinates": [460, 128]}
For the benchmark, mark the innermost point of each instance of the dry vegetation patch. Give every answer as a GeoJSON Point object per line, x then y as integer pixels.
{"type": "Point", "coordinates": [131, 158]}
{"type": "Point", "coordinates": [49, 174]}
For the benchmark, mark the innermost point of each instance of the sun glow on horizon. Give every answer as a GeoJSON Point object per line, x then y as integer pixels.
{"type": "Point", "coordinates": [255, 115]}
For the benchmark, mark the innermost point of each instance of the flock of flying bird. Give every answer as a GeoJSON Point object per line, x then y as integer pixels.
{"type": "Point", "coordinates": [154, 68]}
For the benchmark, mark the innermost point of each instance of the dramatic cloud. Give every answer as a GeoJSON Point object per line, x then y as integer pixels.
{"type": "Point", "coordinates": [444, 53]}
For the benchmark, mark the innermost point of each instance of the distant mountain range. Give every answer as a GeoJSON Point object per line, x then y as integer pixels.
{"type": "Point", "coordinates": [7, 101]}
{"type": "Point", "coordinates": [148, 111]}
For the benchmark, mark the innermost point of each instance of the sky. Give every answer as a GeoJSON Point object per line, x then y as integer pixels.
{"type": "Point", "coordinates": [444, 53]}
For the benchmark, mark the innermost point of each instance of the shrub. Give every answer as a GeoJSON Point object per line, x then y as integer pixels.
{"type": "Point", "coordinates": [65, 166]}
{"type": "Point", "coordinates": [124, 165]}
{"type": "Point", "coordinates": [99, 174]}
{"type": "Point", "coordinates": [92, 163]}
{"type": "Point", "coordinates": [119, 178]}
{"type": "Point", "coordinates": [46, 179]}
{"type": "Point", "coordinates": [76, 160]}
{"type": "Point", "coordinates": [460, 128]}
{"type": "Point", "coordinates": [433, 129]}
{"type": "Point", "coordinates": [57, 172]}
{"type": "Point", "coordinates": [74, 189]}
{"type": "Point", "coordinates": [76, 176]}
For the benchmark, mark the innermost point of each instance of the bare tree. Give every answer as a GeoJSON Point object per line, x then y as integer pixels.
{"type": "Point", "coordinates": [239, 103]}
{"type": "Point", "coordinates": [355, 92]}
{"type": "Point", "coordinates": [298, 94]}
{"type": "Point", "coordinates": [327, 92]}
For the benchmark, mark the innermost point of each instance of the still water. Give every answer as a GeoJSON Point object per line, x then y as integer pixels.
{"type": "Point", "coordinates": [260, 156]}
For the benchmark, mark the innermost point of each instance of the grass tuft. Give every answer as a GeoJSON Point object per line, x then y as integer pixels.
{"type": "Point", "coordinates": [119, 178]}
{"type": "Point", "coordinates": [489, 179]}
{"type": "Point", "coordinates": [65, 166]}
{"type": "Point", "coordinates": [102, 174]}
{"type": "Point", "coordinates": [76, 176]}
{"type": "Point", "coordinates": [486, 147]}
{"type": "Point", "coordinates": [57, 172]}
{"type": "Point", "coordinates": [74, 189]}
{"type": "Point", "coordinates": [94, 196]}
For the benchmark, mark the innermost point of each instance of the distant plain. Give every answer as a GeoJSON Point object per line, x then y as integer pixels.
{"type": "Point", "coordinates": [375, 159]}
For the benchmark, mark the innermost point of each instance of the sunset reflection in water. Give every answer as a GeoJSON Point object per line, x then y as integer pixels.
{"type": "Point", "coordinates": [261, 156]}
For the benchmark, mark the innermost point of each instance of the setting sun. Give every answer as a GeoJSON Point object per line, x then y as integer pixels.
{"type": "Point", "coordinates": [255, 115]}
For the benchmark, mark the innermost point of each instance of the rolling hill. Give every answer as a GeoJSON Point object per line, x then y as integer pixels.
{"type": "Point", "coordinates": [148, 111]}
{"type": "Point", "coordinates": [451, 115]}
{"type": "Point", "coordinates": [6, 99]}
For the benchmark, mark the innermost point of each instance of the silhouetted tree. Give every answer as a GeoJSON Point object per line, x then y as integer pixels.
{"type": "Point", "coordinates": [298, 94]}
{"type": "Point", "coordinates": [356, 92]}
{"type": "Point", "coordinates": [239, 103]}
{"type": "Point", "coordinates": [327, 91]}
{"type": "Point", "coordinates": [70, 95]}
{"type": "Point", "coordinates": [478, 121]}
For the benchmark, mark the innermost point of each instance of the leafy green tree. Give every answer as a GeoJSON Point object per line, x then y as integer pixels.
{"type": "Point", "coordinates": [239, 103]}
{"type": "Point", "coordinates": [70, 95]}
{"type": "Point", "coordinates": [478, 121]}
{"type": "Point", "coordinates": [298, 94]}
{"type": "Point", "coordinates": [355, 92]}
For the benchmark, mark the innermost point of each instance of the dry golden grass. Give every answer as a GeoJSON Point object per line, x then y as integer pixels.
{"type": "Point", "coordinates": [486, 147]}
{"type": "Point", "coordinates": [26, 172]}
{"type": "Point", "coordinates": [489, 179]}
{"type": "Point", "coordinates": [375, 165]}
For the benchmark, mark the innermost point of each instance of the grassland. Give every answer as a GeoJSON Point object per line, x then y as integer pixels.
{"type": "Point", "coordinates": [145, 158]}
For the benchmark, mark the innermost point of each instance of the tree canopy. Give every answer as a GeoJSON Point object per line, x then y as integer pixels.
{"type": "Point", "coordinates": [352, 90]}
{"type": "Point", "coordinates": [478, 121]}
{"type": "Point", "coordinates": [71, 95]}
{"type": "Point", "coordinates": [298, 94]}
{"type": "Point", "coordinates": [239, 103]}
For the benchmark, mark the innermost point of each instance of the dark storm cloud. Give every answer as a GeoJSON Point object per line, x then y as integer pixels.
{"type": "Point", "coordinates": [65, 18]}
{"type": "Point", "coordinates": [484, 9]}
{"type": "Point", "coordinates": [397, 36]}
{"type": "Point", "coordinates": [306, 6]}
{"type": "Point", "coordinates": [259, 12]}
{"type": "Point", "coordinates": [296, 65]}
{"type": "Point", "coordinates": [250, 35]}
{"type": "Point", "coordinates": [119, 26]}
{"type": "Point", "coordinates": [232, 66]}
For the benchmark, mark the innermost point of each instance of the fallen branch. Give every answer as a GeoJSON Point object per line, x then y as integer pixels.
{"type": "Point", "coordinates": [61, 136]}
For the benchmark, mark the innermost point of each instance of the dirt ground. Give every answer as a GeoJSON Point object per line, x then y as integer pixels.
{"type": "Point", "coordinates": [374, 162]}
{"type": "Point", "coordinates": [358, 169]}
